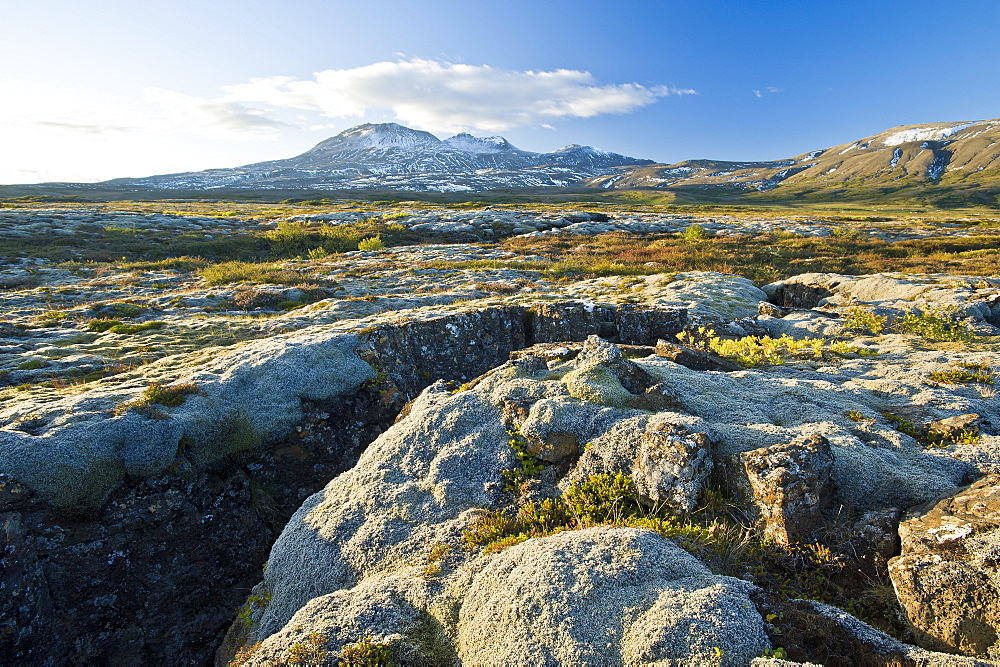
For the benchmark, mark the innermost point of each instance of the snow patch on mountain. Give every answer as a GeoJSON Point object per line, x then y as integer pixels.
{"type": "Point", "coordinates": [470, 144]}
{"type": "Point", "coordinates": [923, 134]}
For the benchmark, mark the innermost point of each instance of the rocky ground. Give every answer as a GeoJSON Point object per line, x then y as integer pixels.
{"type": "Point", "coordinates": [737, 472]}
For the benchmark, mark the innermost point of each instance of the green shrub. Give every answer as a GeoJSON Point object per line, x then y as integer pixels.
{"type": "Point", "coordinates": [935, 326]}
{"type": "Point", "coordinates": [371, 243]}
{"type": "Point", "coordinates": [308, 652]}
{"type": "Point", "coordinates": [753, 351]}
{"type": "Point", "coordinates": [366, 652]}
{"type": "Point", "coordinates": [927, 438]}
{"type": "Point", "coordinates": [527, 464]}
{"type": "Point", "coordinates": [965, 373]}
{"type": "Point", "coordinates": [932, 325]}
{"type": "Point", "coordinates": [859, 319]}
{"type": "Point", "coordinates": [695, 232]}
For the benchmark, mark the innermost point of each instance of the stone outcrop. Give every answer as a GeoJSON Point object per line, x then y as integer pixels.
{"type": "Point", "coordinates": [671, 466]}
{"type": "Point", "coordinates": [132, 532]}
{"type": "Point", "coordinates": [784, 486]}
{"type": "Point", "coordinates": [633, 596]}
{"type": "Point", "coordinates": [946, 577]}
{"type": "Point", "coordinates": [974, 298]}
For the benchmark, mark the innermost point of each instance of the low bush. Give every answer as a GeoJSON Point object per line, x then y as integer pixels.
{"type": "Point", "coordinates": [964, 373]}
{"type": "Point", "coordinates": [932, 325]}
{"type": "Point", "coordinates": [754, 351]}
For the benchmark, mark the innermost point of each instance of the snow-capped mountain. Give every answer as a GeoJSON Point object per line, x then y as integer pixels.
{"type": "Point", "coordinates": [389, 156]}
{"type": "Point", "coordinates": [928, 154]}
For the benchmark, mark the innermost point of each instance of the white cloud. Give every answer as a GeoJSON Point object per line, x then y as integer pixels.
{"type": "Point", "coordinates": [770, 89]}
{"type": "Point", "coordinates": [447, 97]}
{"type": "Point", "coordinates": [196, 115]}
{"type": "Point", "coordinates": [88, 133]}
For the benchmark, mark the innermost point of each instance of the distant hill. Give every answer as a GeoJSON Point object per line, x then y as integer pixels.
{"type": "Point", "coordinates": [389, 156]}
{"type": "Point", "coordinates": [941, 164]}
{"type": "Point", "coordinates": [946, 157]}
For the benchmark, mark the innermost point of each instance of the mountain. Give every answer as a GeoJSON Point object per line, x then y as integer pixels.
{"type": "Point", "coordinates": [948, 156]}
{"type": "Point", "coordinates": [389, 156]}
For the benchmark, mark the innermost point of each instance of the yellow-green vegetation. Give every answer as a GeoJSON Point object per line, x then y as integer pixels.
{"type": "Point", "coordinates": [776, 653]}
{"type": "Point", "coordinates": [101, 326]}
{"type": "Point", "coordinates": [932, 325]}
{"type": "Point", "coordinates": [33, 364]}
{"type": "Point", "coordinates": [366, 652]}
{"type": "Point", "coordinates": [527, 464]}
{"type": "Point", "coordinates": [964, 373]}
{"type": "Point", "coordinates": [928, 438]}
{"type": "Point", "coordinates": [170, 396]}
{"type": "Point", "coordinates": [309, 651]}
{"type": "Point", "coordinates": [753, 351]}
{"type": "Point", "coordinates": [856, 416]}
{"type": "Point", "coordinates": [435, 559]}
{"type": "Point", "coordinates": [606, 499]}
{"type": "Point", "coordinates": [764, 257]}
{"type": "Point", "coordinates": [861, 320]}
{"type": "Point", "coordinates": [715, 532]}
{"type": "Point", "coordinates": [371, 243]}
{"type": "Point", "coordinates": [118, 327]}
{"type": "Point", "coordinates": [252, 604]}
{"type": "Point", "coordinates": [695, 232]}
{"type": "Point", "coordinates": [227, 273]}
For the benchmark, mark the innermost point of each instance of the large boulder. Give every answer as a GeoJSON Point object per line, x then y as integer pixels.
{"type": "Point", "coordinates": [603, 596]}
{"type": "Point", "coordinates": [785, 486]}
{"type": "Point", "coordinates": [946, 577]}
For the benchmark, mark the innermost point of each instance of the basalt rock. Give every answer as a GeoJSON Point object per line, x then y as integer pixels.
{"type": "Point", "coordinates": [946, 576]}
{"type": "Point", "coordinates": [671, 466]}
{"type": "Point", "coordinates": [786, 486]}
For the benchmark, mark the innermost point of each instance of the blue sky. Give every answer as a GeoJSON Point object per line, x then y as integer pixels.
{"type": "Point", "coordinates": [107, 88]}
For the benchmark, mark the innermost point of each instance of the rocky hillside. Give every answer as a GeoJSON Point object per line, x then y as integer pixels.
{"type": "Point", "coordinates": [443, 454]}
{"type": "Point", "coordinates": [925, 154]}
{"type": "Point", "coordinates": [388, 156]}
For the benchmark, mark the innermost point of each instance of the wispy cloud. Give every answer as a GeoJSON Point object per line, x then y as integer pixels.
{"type": "Point", "coordinates": [764, 91]}
{"type": "Point", "coordinates": [199, 115]}
{"type": "Point", "coordinates": [441, 96]}
{"type": "Point", "coordinates": [83, 128]}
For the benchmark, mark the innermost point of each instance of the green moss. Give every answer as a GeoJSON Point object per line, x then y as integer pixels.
{"type": "Point", "coordinates": [239, 435]}
{"type": "Point", "coordinates": [126, 310]}
{"type": "Point", "coordinates": [32, 365]}
{"type": "Point", "coordinates": [128, 329]}
{"type": "Point", "coordinates": [599, 385]}
{"type": "Point", "coordinates": [429, 635]}
{"type": "Point", "coordinates": [101, 326]}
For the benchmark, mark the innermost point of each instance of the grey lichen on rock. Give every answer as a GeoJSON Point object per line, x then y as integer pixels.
{"type": "Point", "coordinates": [247, 395]}
{"type": "Point", "coordinates": [947, 576]}
{"type": "Point", "coordinates": [785, 486]}
{"type": "Point", "coordinates": [603, 596]}
{"type": "Point", "coordinates": [671, 465]}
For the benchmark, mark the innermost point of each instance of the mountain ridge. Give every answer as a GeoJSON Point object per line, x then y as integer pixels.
{"type": "Point", "coordinates": [906, 155]}
{"type": "Point", "coordinates": [392, 156]}
{"type": "Point", "coordinates": [944, 164]}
